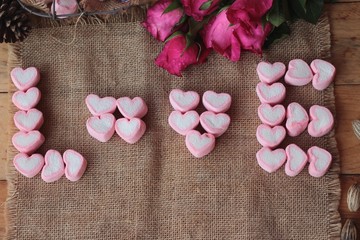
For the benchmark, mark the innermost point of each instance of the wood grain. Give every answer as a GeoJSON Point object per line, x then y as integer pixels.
{"type": "Point", "coordinates": [3, 68]}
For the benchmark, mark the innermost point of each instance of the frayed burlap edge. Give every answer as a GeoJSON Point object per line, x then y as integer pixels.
{"type": "Point", "coordinates": [136, 14]}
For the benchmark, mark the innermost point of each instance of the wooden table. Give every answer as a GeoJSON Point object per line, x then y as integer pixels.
{"type": "Point", "coordinates": [345, 27]}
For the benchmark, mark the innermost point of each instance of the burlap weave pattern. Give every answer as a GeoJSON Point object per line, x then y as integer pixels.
{"type": "Point", "coordinates": [155, 189]}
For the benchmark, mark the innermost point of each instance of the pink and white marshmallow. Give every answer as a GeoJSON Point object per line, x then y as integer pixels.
{"type": "Point", "coordinates": [321, 121]}
{"type": "Point", "coordinates": [198, 144]}
{"type": "Point", "coordinates": [296, 160]}
{"type": "Point", "coordinates": [271, 94]}
{"type": "Point", "coordinates": [271, 116]}
{"type": "Point", "coordinates": [54, 167]}
{"type": "Point", "coordinates": [24, 79]}
{"type": "Point", "coordinates": [26, 100]}
{"type": "Point", "coordinates": [184, 101]}
{"type": "Point", "coordinates": [320, 161]}
{"type": "Point", "coordinates": [299, 73]}
{"type": "Point", "coordinates": [183, 122]}
{"type": "Point", "coordinates": [216, 102]}
{"type": "Point", "coordinates": [270, 136]}
{"type": "Point", "coordinates": [63, 7]}
{"type": "Point", "coordinates": [132, 108]}
{"type": "Point", "coordinates": [28, 120]}
{"type": "Point", "coordinates": [27, 142]}
{"type": "Point", "coordinates": [297, 119]}
{"type": "Point", "coordinates": [101, 128]}
{"type": "Point", "coordinates": [29, 166]}
{"type": "Point", "coordinates": [75, 165]}
{"type": "Point", "coordinates": [324, 74]}
{"type": "Point", "coordinates": [130, 130]}
{"type": "Point", "coordinates": [270, 160]}
{"type": "Point", "coordinates": [98, 106]}
{"type": "Point", "coordinates": [270, 73]}
{"type": "Point", "coordinates": [215, 123]}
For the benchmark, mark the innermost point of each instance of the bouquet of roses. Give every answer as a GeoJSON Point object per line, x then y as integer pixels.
{"type": "Point", "coordinates": [192, 28]}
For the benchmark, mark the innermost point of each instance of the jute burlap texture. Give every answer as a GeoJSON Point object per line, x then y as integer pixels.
{"type": "Point", "coordinates": [155, 189]}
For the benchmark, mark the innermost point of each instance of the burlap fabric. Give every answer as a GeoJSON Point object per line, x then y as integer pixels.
{"type": "Point", "coordinates": [155, 189]}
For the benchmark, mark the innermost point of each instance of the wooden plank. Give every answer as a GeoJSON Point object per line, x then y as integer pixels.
{"type": "Point", "coordinates": [3, 195]}
{"type": "Point", "coordinates": [4, 126]}
{"type": "Point", "coordinates": [346, 182]}
{"type": "Point", "coordinates": [3, 68]}
{"type": "Point", "coordinates": [345, 29]}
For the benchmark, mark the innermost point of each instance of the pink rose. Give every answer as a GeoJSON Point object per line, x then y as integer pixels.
{"type": "Point", "coordinates": [219, 35]}
{"type": "Point", "coordinates": [192, 8]}
{"type": "Point", "coordinates": [245, 11]}
{"type": "Point", "coordinates": [174, 58]}
{"type": "Point", "coordinates": [159, 24]}
{"type": "Point", "coordinates": [253, 36]}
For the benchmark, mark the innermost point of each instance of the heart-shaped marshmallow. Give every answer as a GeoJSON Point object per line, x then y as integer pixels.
{"type": "Point", "coordinates": [321, 121]}
{"type": "Point", "coordinates": [29, 166]}
{"type": "Point", "coordinates": [98, 106]}
{"type": "Point", "coordinates": [199, 145]}
{"type": "Point", "coordinates": [270, 73]}
{"type": "Point", "coordinates": [24, 79]}
{"type": "Point", "coordinates": [270, 160]}
{"type": "Point", "coordinates": [296, 160]}
{"type": "Point", "coordinates": [54, 166]}
{"type": "Point", "coordinates": [183, 122]}
{"type": "Point", "coordinates": [28, 121]}
{"type": "Point", "coordinates": [63, 7]}
{"type": "Point", "coordinates": [213, 123]}
{"type": "Point", "coordinates": [27, 142]}
{"type": "Point", "coordinates": [75, 165]}
{"type": "Point", "coordinates": [270, 136]}
{"type": "Point", "coordinates": [299, 73]}
{"type": "Point", "coordinates": [324, 73]}
{"type": "Point", "coordinates": [184, 101]}
{"type": "Point", "coordinates": [101, 128]}
{"type": "Point", "coordinates": [132, 108]}
{"type": "Point", "coordinates": [320, 161]}
{"type": "Point", "coordinates": [26, 100]}
{"type": "Point", "coordinates": [131, 130]}
{"type": "Point", "coordinates": [297, 119]}
{"type": "Point", "coordinates": [271, 94]}
{"type": "Point", "coordinates": [216, 102]}
{"type": "Point", "coordinates": [271, 116]}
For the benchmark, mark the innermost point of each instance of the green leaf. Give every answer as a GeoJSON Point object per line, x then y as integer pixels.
{"type": "Point", "coordinates": [275, 16]}
{"type": "Point", "coordinates": [312, 12]}
{"type": "Point", "coordinates": [278, 33]}
{"type": "Point", "coordinates": [303, 4]}
{"type": "Point", "coordinates": [206, 5]}
{"type": "Point", "coordinates": [177, 33]}
{"type": "Point", "coordinates": [182, 20]}
{"type": "Point", "coordinates": [174, 5]}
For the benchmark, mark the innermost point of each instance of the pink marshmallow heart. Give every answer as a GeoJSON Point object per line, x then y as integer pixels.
{"type": "Point", "coordinates": [63, 7]}
{"type": "Point", "coordinates": [213, 123]}
{"type": "Point", "coordinates": [271, 116]}
{"type": "Point", "coordinates": [24, 79]}
{"type": "Point", "coordinates": [270, 160]}
{"type": "Point", "coordinates": [130, 130]}
{"type": "Point", "coordinates": [26, 100]}
{"type": "Point", "coordinates": [101, 128]}
{"type": "Point", "coordinates": [54, 167]}
{"type": "Point", "coordinates": [299, 73]}
{"type": "Point", "coordinates": [297, 119]}
{"type": "Point", "coordinates": [271, 94]}
{"type": "Point", "coordinates": [296, 160]}
{"type": "Point", "coordinates": [320, 161]}
{"type": "Point", "coordinates": [270, 136]}
{"type": "Point", "coordinates": [321, 121]}
{"type": "Point", "coordinates": [28, 121]}
{"type": "Point", "coordinates": [184, 101]}
{"type": "Point", "coordinates": [29, 166]}
{"type": "Point", "coordinates": [75, 165]}
{"type": "Point", "coordinates": [183, 122]}
{"type": "Point", "coordinates": [199, 145]}
{"type": "Point", "coordinates": [132, 108]}
{"type": "Point", "coordinates": [98, 106]}
{"type": "Point", "coordinates": [216, 102]}
{"type": "Point", "coordinates": [270, 73]}
{"type": "Point", "coordinates": [27, 142]}
{"type": "Point", "coordinates": [324, 74]}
